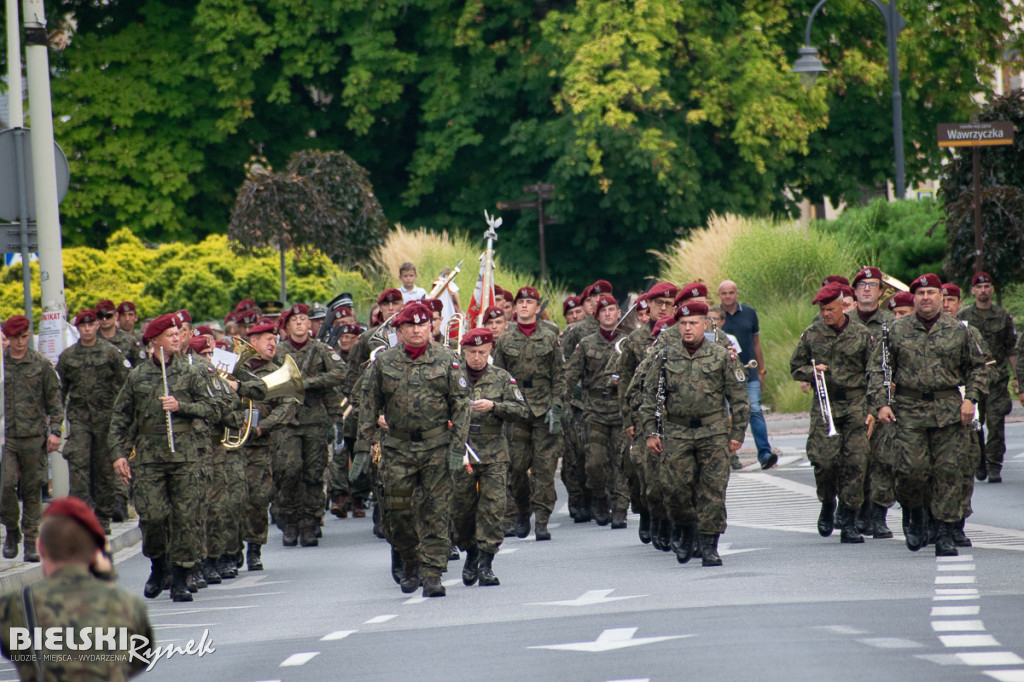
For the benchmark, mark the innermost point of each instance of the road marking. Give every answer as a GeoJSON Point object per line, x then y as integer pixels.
{"type": "Point", "coordinates": [956, 567]}
{"type": "Point", "coordinates": [415, 600]}
{"type": "Point", "coordinates": [299, 659]}
{"type": "Point", "coordinates": [588, 598]}
{"type": "Point", "coordinates": [159, 614]}
{"type": "Point", "coordinates": [609, 640]}
{"type": "Point", "coordinates": [954, 594]}
{"type": "Point", "coordinates": [379, 619]}
{"type": "Point", "coordinates": [991, 658]}
{"type": "Point", "coordinates": [890, 643]}
{"type": "Point", "coordinates": [842, 629]}
{"type": "Point", "coordinates": [726, 549]}
{"type": "Point", "coordinates": [938, 611]}
{"type": "Point", "coordinates": [452, 583]}
{"type": "Point", "coordinates": [167, 626]}
{"type": "Point", "coordinates": [509, 550]}
{"type": "Point", "coordinates": [954, 641]}
{"type": "Point", "coordinates": [940, 659]}
{"type": "Point", "coordinates": [635, 679]}
{"type": "Point", "coordinates": [249, 581]}
{"type": "Point", "coordinates": [958, 626]}
{"type": "Point", "coordinates": [1006, 675]}
{"type": "Point", "coordinates": [954, 579]}
{"type": "Point", "coordinates": [954, 559]}
{"type": "Point", "coordinates": [336, 635]}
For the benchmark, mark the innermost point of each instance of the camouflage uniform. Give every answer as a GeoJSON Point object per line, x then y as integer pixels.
{"type": "Point", "coordinates": [692, 471]}
{"type": "Point", "coordinates": [574, 451]}
{"type": "Point", "coordinates": [418, 451]}
{"type": "Point", "coordinates": [632, 400]}
{"type": "Point", "coordinates": [90, 377]}
{"type": "Point", "coordinates": [32, 410]}
{"type": "Point", "coordinates": [131, 346]}
{"type": "Point", "coordinates": [996, 327]}
{"type": "Point", "coordinates": [971, 459]}
{"type": "Point", "coordinates": [479, 496]}
{"type": "Point", "coordinates": [166, 483]}
{"type": "Point", "coordinates": [594, 366]}
{"type": "Point", "coordinates": [71, 597]}
{"type": "Point", "coordinates": [840, 462]}
{"type": "Point", "coordinates": [226, 492]}
{"type": "Point", "coordinates": [303, 448]}
{"type": "Point", "coordinates": [355, 367]}
{"type": "Point", "coordinates": [635, 349]}
{"type": "Point", "coordinates": [878, 484]}
{"type": "Point", "coordinates": [927, 367]}
{"type": "Point", "coordinates": [536, 364]}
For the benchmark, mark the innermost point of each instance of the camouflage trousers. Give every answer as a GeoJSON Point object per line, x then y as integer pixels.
{"type": "Point", "coordinates": [417, 501]}
{"type": "Point", "coordinates": [992, 411]}
{"type": "Point", "coordinates": [691, 478]}
{"type": "Point", "coordinates": [534, 458]}
{"type": "Point", "coordinates": [226, 502]}
{"type": "Point", "coordinates": [970, 460]}
{"type": "Point", "coordinates": [24, 470]}
{"type": "Point", "coordinates": [478, 502]}
{"type": "Point", "coordinates": [259, 482]}
{"type": "Point", "coordinates": [653, 494]}
{"type": "Point", "coordinates": [303, 460]}
{"type": "Point", "coordinates": [633, 464]}
{"type": "Point", "coordinates": [605, 475]}
{"type": "Point", "coordinates": [840, 462]}
{"type": "Point", "coordinates": [574, 456]}
{"type": "Point", "coordinates": [204, 477]}
{"type": "Point", "coordinates": [167, 501]}
{"type": "Point", "coordinates": [338, 482]}
{"type": "Point", "coordinates": [929, 469]}
{"type": "Point", "coordinates": [878, 484]}
{"type": "Point", "coordinates": [90, 469]}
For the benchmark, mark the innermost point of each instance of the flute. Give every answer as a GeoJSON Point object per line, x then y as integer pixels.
{"type": "Point", "coordinates": [170, 423]}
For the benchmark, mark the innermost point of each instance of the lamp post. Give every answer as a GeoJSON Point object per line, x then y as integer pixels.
{"type": "Point", "coordinates": [808, 66]}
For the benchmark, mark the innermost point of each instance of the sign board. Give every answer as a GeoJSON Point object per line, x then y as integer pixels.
{"type": "Point", "coordinates": [979, 134]}
{"type": "Point", "coordinates": [544, 189]}
{"type": "Point", "coordinates": [516, 205]}
{"type": "Point", "coordinates": [9, 200]}
{"type": "Point", "coordinates": [50, 342]}
{"type": "Point", "coordinates": [10, 238]}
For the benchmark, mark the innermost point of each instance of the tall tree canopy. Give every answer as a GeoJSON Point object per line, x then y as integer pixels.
{"type": "Point", "coordinates": [646, 115]}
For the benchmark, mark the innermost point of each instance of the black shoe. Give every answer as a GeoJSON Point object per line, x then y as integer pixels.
{"type": "Point", "coordinates": [735, 463]}
{"type": "Point", "coordinates": [210, 572]}
{"type": "Point", "coordinates": [917, 529]}
{"type": "Point", "coordinates": [981, 473]}
{"type": "Point", "coordinates": [522, 524]}
{"type": "Point", "coordinates": [934, 527]}
{"type": "Point", "coordinates": [307, 533]}
{"type": "Point", "coordinates": [432, 586]}
{"type": "Point", "coordinates": [995, 476]}
{"type": "Point", "coordinates": [485, 570]}
{"type": "Point", "coordinates": [239, 559]}
{"type": "Point", "coordinates": [664, 535]}
{"type": "Point", "coordinates": [960, 538]}
{"type": "Point", "coordinates": [584, 514]}
{"type": "Point", "coordinates": [155, 582]}
{"type": "Point", "coordinates": [470, 570]}
{"type": "Point", "coordinates": [540, 530]}
{"type": "Point", "coordinates": [197, 575]}
{"type": "Point", "coordinates": [767, 463]}
{"type": "Point", "coordinates": [397, 566]}
{"type": "Point", "coordinates": [684, 549]}
{"type": "Point", "coordinates": [190, 581]}
{"type": "Point", "coordinates": [676, 537]}
{"type": "Point", "coordinates": [509, 529]}
{"type": "Point", "coordinates": [453, 552]}
{"type": "Point", "coordinates": [849, 535]}
{"type": "Point", "coordinates": [105, 524]}
{"type": "Point", "coordinates": [226, 567]}
{"type": "Point", "coordinates": [31, 555]}
{"type": "Point", "coordinates": [410, 576]}
{"type": "Point", "coordinates": [573, 510]}
{"type": "Point", "coordinates": [879, 529]}
{"type": "Point", "coordinates": [318, 528]}
{"type": "Point", "coordinates": [618, 519]}
{"type": "Point", "coordinates": [179, 588]}
{"type": "Point", "coordinates": [602, 513]}
{"type": "Point", "coordinates": [252, 557]}
{"type": "Point", "coordinates": [709, 550]}
{"type": "Point", "coordinates": [290, 537]}
{"type": "Point", "coordinates": [645, 527]}
{"type": "Point", "coordinates": [11, 545]}
{"type": "Point", "coordinates": [863, 519]}
{"type": "Point", "coordinates": [826, 520]}
{"type": "Point", "coordinates": [944, 544]}
{"type": "Point", "coordinates": [120, 512]}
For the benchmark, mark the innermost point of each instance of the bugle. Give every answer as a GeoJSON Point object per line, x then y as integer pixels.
{"type": "Point", "coordinates": [824, 404]}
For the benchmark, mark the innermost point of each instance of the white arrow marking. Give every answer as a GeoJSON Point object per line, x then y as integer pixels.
{"type": "Point", "coordinates": [586, 599]}
{"type": "Point", "coordinates": [609, 640]}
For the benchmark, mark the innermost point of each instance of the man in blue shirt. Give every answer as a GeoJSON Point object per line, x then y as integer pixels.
{"type": "Point", "coordinates": [741, 322]}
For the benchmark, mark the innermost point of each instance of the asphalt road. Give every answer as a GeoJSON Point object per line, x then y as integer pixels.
{"type": "Point", "coordinates": [595, 604]}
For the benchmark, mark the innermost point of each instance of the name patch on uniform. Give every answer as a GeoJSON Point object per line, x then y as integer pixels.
{"type": "Point", "coordinates": [740, 376]}
{"type": "Point", "coordinates": [462, 382]}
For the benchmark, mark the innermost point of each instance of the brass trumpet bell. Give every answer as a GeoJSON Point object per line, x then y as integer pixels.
{"type": "Point", "coordinates": [285, 381]}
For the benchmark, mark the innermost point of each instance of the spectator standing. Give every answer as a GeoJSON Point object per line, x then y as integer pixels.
{"type": "Point", "coordinates": [410, 292]}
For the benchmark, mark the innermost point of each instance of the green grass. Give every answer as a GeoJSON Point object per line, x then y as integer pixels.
{"type": "Point", "coordinates": [781, 326]}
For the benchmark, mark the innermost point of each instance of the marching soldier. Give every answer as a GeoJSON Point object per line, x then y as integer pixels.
{"type": "Point", "coordinates": [127, 318]}
{"type": "Point", "coordinates": [129, 346]}
{"type": "Point", "coordinates": [931, 356]}
{"type": "Point", "coordinates": [688, 430]}
{"type": "Point", "coordinates": [841, 352]}
{"type": "Point", "coordinates": [91, 373]}
{"type": "Point", "coordinates": [495, 321]}
{"type": "Point", "coordinates": [529, 352]}
{"type": "Point", "coordinates": [33, 416]}
{"type": "Point", "coordinates": [996, 327]}
{"type": "Point", "coordinates": [480, 489]}
{"type": "Point", "coordinates": [165, 464]}
{"type": "Point", "coordinates": [420, 390]}
{"type": "Point", "coordinates": [901, 305]}
{"type": "Point", "coordinates": [572, 310]}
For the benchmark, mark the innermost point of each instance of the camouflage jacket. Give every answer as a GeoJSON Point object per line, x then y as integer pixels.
{"type": "Point", "coordinates": [273, 412]}
{"type": "Point", "coordinates": [90, 377]}
{"type": "Point", "coordinates": [535, 363]}
{"type": "Point", "coordinates": [226, 399]}
{"type": "Point", "coordinates": [847, 354]}
{"type": "Point", "coordinates": [996, 327]}
{"type": "Point", "coordinates": [139, 416]}
{"type": "Point", "coordinates": [874, 323]}
{"type": "Point", "coordinates": [322, 369]}
{"type": "Point", "coordinates": [485, 428]}
{"type": "Point", "coordinates": [71, 597]}
{"type": "Point", "coordinates": [417, 397]}
{"type": "Point", "coordinates": [355, 363]}
{"type": "Point", "coordinates": [926, 361]}
{"type": "Point", "coordinates": [696, 388]}
{"type": "Point", "coordinates": [635, 348]}
{"type": "Point", "coordinates": [574, 333]}
{"type": "Point", "coordinates": [595, 367]}
{"type": "Point", "coordinates": [31, 395]}
{"type": "Point", "coordinates": [634, 395]}
{"type": "Point", "coordinates": [130, 346]}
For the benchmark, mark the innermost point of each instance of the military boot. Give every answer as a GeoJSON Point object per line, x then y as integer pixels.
{"type": "Point", "coordinates": [470, 570]}
{"type": "Point", "coordinates": [826, 520]}
{"type": "Point", "coordinates": [981, 473]}
{"type": "Point", "coordinates": [850, 533]}
{"type": "Point", "coordinates": [655, 532]}
{"type": "Point", "coordinates": [105, 524]}
{"type": "Point", "coordinates": [210, 572]}
{"type": "Point", "coordinates": [522, 524]}
{"type": "Point", "coordinates": [709, 550]}
{"type": "Point", "coordinates": [179, 588]}
{"type": "Point", "coordinates": [540, 530]}
{"type": "Point", "coordinates": [155, 582]}
{"type": "Point", "coordinates": [508, 527]}
{"type": "Point", "coordinates": [863, 516]}
{"type": "Point", "coordinates": [684, 549]}
{"type": "Point", "coordinates": [602, 512]}
{"type": "Point", "coordinates": [252, 557]}
{"type": "Point", "coordinates": [120, 512]}
{"type": "Point", "coordinates": [676, 537]}
{"type": "Point", "coordinates": [585, 512]}
{"type": "Point", "coordinates": [290, 536]}
{"type": "Point", "coordinates": [318, 529]}
{"type": "Point", "coordinates": [944, 543]}
{"type": "Point", "coordinates": [410, 575]}
{"type": "Point", "coordinates": [960, 538]}
{"type": "Point", "coordinates": [645, 527]}
{"type": "Point", "coordinates": [486, 572]}
{"type": "Point", "coordinates": [618, 519]}
{"type": "Point", "coordinates": [396, 566]}
{"type": "Point", "coordinates": [453, 552]}
{"type": "Point", "coordinates": [358, 510]}
{"type": "Point", "coordinates": [879, 529]}
{"type": "Point", "coordinates": [378, 527]}
{"type": "Point", "coordinates": [226, 567]}
{"type": "Point", "coordinates": [934, 528]}
{"type": "Point", "coordinates": [190, 581]}
{"type": "Point", "coordinates": [197, 575]}
{"type": "Point", "coordinates": [995, 474]}
{"type": "Point", "coordinates": [11, 543]}
{"type": "Point", "coordinates": [916, 529]}
{"type": "Point", "coordinates": [339, 506]}
{"type": "Point", "coordinates": [432, 586]}
{"type": "Point", "coordinates": [239, 557]}
{"type": "Point", "coordinates": [307, 533]}
{"type": "Point", "coordinates": [664, 535]}
{"type": "Point", "coordinates": [573, 509]}
{"type": "Point", "coordinates": [31, 554]}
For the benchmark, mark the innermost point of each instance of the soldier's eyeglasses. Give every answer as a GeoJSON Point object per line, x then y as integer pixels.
{"type": "Point", "coordinates": [104, 316]}
{"type": "Point", "coordinates": [867, 285]}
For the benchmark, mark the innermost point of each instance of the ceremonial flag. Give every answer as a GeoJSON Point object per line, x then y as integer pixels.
{"type": "Point", "coordinates": [483, 292]}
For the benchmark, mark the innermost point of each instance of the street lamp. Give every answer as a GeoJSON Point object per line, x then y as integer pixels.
{"type": "Point", "coordinates": [808, 66]}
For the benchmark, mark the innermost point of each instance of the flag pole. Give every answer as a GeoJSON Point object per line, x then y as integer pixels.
{"type": "Point", "coordinates": [487, 291]}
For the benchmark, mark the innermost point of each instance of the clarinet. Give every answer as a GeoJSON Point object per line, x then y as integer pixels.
{"type": "Point", "coordinates": [659, 409]}
{"type": "Point", "coordinates": [886, 365]}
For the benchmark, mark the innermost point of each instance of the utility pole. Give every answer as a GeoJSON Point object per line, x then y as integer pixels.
{"type": "Point", "coordinates": [16, 119]}
{"type": "Point", "coordinates": [545, 192]}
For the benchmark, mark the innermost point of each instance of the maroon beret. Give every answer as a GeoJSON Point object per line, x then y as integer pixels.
{"type": "Point", "coordinates": [342, 312]}
{"type": "Point", "coordinates": [498, 292]}
{"type": "Point", "coordinates": [950, 290]}
{"type": "Point", "coordinates": [263, 328]}
{"type": "Point", "coordinates": [160, 325]}
{"type": "Point", "coordinates": [527, 292]}
{"type": "Point", "coordinates": [902, 299]}
{"type": "Point", "coordinates": [413, 313]}
{"type": "Point", "coordinates": [477, 337]}
{"type": "Point", "coordinates": [390, 296]}
{"type": "Point", "coordinates": [85, 316]}
{"type": "Point", "coordinates": [867, 272]}
{"type": "Point", "coordinates": [603, 303]}
{"type": "Point", "coordinates": [570, 303]}
{"type": "Point", "coordinates": [231, 317]}
{"type": "Point", "coordinates": [74, 508]}
{"type": "Point", "coordinates": [848, 291]}
{"type": "Point", "coordinates": [105, 306]}
{"type": "Point", "coordinates": [199, 344]}
{"type": "Point", "coordinates": [662, 290]}
{"type": "Point", "coordinates": [507, 295]}
{"type": "Point", "coordinates": [981, 278]}
{"type": "Point", "coordinates": [600, 288]}
{"type": "Point", "coordinates": [690, 291]}
{"type": "Point", "coordinates": [585, 294]}
{"type": "Point", "coordinates": [643, 302]}
{"type": "Point", "coordinates": [125, 306]}
{"type": "Point", "coordinates": [183, 316]}
{"type": "Point", "coordinates": [249, 317]}
{"type": "Point", "coordinates": [662, 323]}
{"type": "Point", "coordinates": [354, 329]}
{"type": "Point", "coordinates": [835, 279]}
{"type": "Point", "coordinates": [222, 344]}
{"type": "Point", "coordinates": [245, 304]}
{"type": "Point", "coordinates": [436, 305]}
{"type": "Point", "coordinates": [829, 293]}
{"type": "Point", "coordinates": [926, 280]}
{"type": "Point", "coordinates": [692, 308]}
{"type": "Point", "coordinates": [204, 329]}
{"type": "Point", "coordinates": [493, 312]}
{"type": "Point", "coordinates": [16, 325]}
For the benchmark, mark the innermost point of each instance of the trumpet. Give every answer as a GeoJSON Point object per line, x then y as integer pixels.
{"type": "Point", "coordinates": [823, 402]}
{"type": "Point", "coordinates": [459, 321]}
